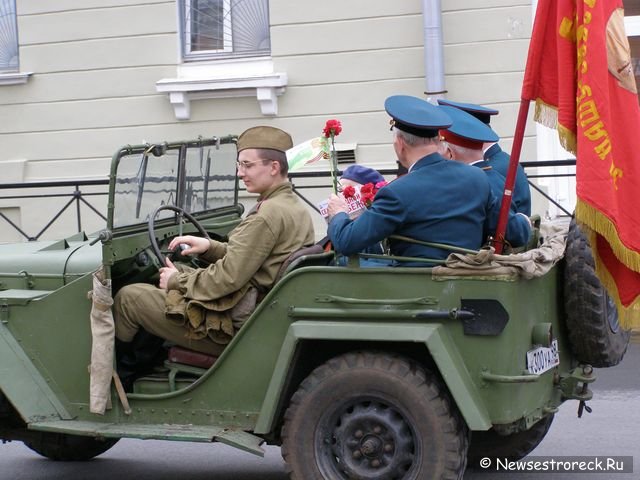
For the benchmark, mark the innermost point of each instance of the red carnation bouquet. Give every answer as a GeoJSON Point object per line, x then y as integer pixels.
{"type": "Point", "coordinates": [367, 192]}
{"type": "Point", "coordinates": [357, 198]}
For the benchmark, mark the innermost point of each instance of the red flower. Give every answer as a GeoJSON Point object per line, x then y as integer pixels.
{"type": "Point", "coordinates": [332, 127]}
{"type": "Point", "coordinates": [348, 191]}
{"type": "Point", "coordinates": [367, 198]}
{"type": "Point", "coordinates": [368, 192]}
{"type": "Point", "coordinates": [367, 188]}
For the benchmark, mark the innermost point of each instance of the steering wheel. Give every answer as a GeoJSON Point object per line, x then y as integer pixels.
{"type": "Point", "coordinates": [152, 230]}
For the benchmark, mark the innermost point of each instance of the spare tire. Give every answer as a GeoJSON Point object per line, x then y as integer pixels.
{"type": "Point", "coordinates": [595, 334]}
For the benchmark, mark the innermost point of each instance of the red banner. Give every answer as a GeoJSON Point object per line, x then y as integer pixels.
{"type": "Point", "coordinates": [580, 75]}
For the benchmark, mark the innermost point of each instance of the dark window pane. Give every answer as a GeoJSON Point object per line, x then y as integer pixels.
{"type": "Point", "coordinates": [631, 7]}
{"type": "Point", "coordinates": [224, 28]}
{"type": "Point", "coordinates": [207, 25]}
{"type": "Point", "coordinates": [8, 36]}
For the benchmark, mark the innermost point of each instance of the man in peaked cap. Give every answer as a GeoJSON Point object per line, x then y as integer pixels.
{"type": "Point", "coordinates": [202, 308]}
{"type": "Point", "coordinates": [498, 158]}
{"type": "Point", "coordinates": [438, 201]}
{"type": "Point", "coordinates": [465, 138]}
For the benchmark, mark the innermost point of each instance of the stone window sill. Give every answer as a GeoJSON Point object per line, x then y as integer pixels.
{"type": "Point", "coordinates": [266, 87]}
{"type": "Point", "coordinates": [14, 78]}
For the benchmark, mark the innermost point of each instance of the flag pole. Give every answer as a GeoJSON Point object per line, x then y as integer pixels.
{"type": "Point", "coordinates": [511, 176]}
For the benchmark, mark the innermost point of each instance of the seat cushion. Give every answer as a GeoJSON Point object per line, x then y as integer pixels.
{"type": "Point", "coordinates": [190, 357]}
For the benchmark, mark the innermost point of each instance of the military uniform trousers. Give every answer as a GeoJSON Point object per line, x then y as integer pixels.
{"type": "Point", "coordinates": [143, 306]}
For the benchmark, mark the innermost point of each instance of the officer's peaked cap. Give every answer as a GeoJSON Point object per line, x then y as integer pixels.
{"type": "Point", "coordinates": [466, 130]}
{"type": "Point", "coordinates": [416, 116]}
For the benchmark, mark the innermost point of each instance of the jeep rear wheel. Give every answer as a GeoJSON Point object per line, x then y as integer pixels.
{"type": "Point", "coordinates": [595, 334]}
{"type": "Point", "coordinates": [514, 447]}
{"type": "Point", "coordinates": [64, 447]}
{"type": "Point", "coordinates": [373, 416]}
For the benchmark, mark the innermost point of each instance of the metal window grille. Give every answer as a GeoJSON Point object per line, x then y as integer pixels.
{"type": "Point", "coordinates": [224, 28]}
{"type": "Point", "coordinates": [8, 36]}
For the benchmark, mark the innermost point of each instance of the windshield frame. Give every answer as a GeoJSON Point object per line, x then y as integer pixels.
{"type": "Point", "coordinates": [159, 149]}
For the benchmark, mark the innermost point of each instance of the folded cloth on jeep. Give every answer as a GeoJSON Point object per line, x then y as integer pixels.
{"type": "Point", "coordinates": [529, 264]}
{"type": "Point", "coordinates": [102, 334]}
{"type": "Point", "coordinates": [219, 319]}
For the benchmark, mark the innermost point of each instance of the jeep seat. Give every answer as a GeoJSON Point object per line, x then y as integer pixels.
{"type": "Point", "coordinates": [314, 255]}
{"type": "Point", "coordinates": [185, 356]}
{"type": "Point", "coordinates": [188, 362]}
{"type": "Point", "coordinates": [183, 360]}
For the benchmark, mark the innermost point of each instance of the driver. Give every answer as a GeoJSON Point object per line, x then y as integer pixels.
{"type": "Point", "coordinates": [202, 308]}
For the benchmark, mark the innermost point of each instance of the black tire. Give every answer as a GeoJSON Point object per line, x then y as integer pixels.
{"type": "Point", "coordinates": [67, 448]}
{"type": "Point", "coordinates": [595, 335]}
{"type": "Point", "coordinates": [373, 416]}
{"type": "Point", "coordinates": [514, 447]}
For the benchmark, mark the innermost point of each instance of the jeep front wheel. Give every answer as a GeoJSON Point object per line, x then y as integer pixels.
{"type": "Point", "coordinates": [373, 416]}
{"type": "Point", "coordinates": [67, 448]}
{"type": "Point", "coordinates": [514, 447]}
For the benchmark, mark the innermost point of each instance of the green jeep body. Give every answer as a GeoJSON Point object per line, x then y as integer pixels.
{"type": "Point", "coordinates": [467, 338]}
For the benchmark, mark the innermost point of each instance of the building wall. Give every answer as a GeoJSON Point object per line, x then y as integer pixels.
{"type": "Point", "coordinates": [485, 55]}
{"type": "Point", "coordinates": [95, 68]}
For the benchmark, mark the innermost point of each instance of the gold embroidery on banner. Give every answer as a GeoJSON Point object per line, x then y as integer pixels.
{"type": "Point", "coordinates": [588, 115]}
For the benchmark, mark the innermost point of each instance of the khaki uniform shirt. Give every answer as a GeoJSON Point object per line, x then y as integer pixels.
{"type": "Point", "coordinates": [277, 226]}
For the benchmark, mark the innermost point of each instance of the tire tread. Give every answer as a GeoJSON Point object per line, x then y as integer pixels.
{"type": "Point", "coordinates": [453, 427]}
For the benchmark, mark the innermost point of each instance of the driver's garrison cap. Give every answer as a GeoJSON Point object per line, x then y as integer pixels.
{"type": "Point", "coordinates": [265, 137]}
{"type": "Point", "coordinates": [416, 116]}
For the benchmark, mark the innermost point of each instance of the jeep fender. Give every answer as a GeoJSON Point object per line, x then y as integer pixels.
{"type": "Point", "coordinates": [20, 381]}
{"type": "Point", "coordinates": [440, 346]}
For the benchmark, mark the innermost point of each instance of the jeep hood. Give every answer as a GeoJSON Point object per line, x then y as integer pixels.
{"type": "Point", "coordinates": [47, 265]}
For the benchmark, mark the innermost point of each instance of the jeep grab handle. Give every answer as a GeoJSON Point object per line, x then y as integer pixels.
{"type": "Point", "coordinates": [376, 301]}
{"type": "Point", "coordinates": [373, 313]}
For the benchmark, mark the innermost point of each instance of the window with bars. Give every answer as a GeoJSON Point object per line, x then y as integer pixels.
{"type": "Point", "coordinates": [8, 36]}
{"type": "Point", "coordinates": [224, 28]}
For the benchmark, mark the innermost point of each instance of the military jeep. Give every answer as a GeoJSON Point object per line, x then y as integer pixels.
{"type": "Point", "coordinates": [368, 373]}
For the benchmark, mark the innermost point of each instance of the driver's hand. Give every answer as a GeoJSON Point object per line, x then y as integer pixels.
{"type": "Point", "coordinates": [196, 245]}
{"type": "Point", "coordinates": [166, 273]}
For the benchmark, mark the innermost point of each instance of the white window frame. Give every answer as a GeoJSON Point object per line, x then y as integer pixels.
{"type": "Point", "coordinates": [190, 54]}
{"type": "Point", "coordinates": [8, 10]}
{"type": "Point", "coordinates": [11, 75]}
{"type": "Point", "coordinates": [201, 77]}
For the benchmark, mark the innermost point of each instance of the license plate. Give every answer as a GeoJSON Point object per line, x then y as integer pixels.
{"type": "Point", "coordinates": [541, 359]}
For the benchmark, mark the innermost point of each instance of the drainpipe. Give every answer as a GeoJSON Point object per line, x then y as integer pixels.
{"type": "Point", "coordinates": [433, 50]}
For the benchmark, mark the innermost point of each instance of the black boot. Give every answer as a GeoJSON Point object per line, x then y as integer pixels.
{"type": "Point", "coordinates": [148, 351]}
{"type": "Point", "coordinates": [138, 358]}
{"type": "Point", "coordinates": [125, 364]}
